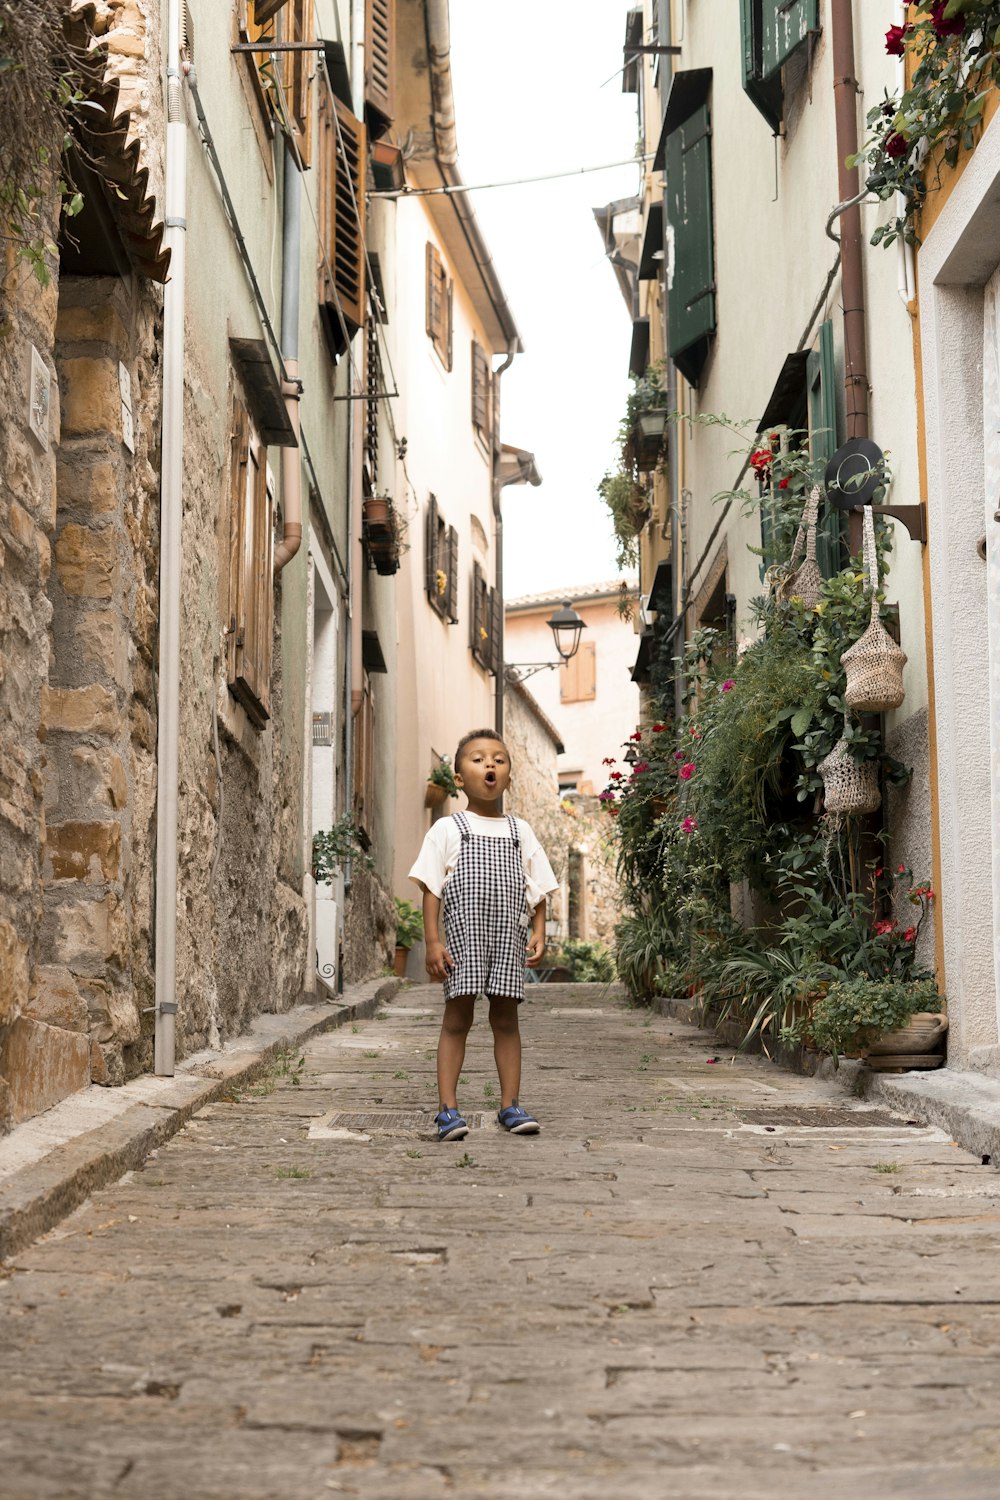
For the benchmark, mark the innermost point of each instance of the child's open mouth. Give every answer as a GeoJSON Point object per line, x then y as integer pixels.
{"type": "Point", "coordinates": [491, 778]}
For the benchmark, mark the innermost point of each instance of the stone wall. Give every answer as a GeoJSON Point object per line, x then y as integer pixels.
{"type": "Point", "coordinates": [27, 517]}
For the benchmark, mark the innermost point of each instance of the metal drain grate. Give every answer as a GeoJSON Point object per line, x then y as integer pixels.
{"type": "Point", "coordinates": [385, 1119]}
{"type": "Point", "coordinates": [821, 1119]}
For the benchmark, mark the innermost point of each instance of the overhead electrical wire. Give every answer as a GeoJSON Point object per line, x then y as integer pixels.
{"type": "Point", "coordinates": [482, 187]}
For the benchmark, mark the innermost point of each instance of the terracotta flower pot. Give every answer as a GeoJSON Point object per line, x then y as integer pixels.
{"type": "Point", "coordinates": [399, 962]}
{"type": "Point", "coordinates": [377, 511]}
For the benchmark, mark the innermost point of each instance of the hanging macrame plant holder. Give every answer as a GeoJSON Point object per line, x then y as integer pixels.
{"type": "Point", "coordinates": [803, 580]}
{"type": "Point", "coordinates": [850, 786]}
{"type": "Point", "coordinates": [874, 664]}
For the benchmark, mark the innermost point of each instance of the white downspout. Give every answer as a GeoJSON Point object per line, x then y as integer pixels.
{"type": "Point", "coordinates": [355, 408]}
{"type": "Point", "coordinates": [171, 515]}
{"type": "Point", "coordinates": [906, 281]}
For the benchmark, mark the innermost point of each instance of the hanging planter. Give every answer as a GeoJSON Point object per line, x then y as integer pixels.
{"type": "Point", "coordinates": [377, 510]}
{"type": "Point", "coordinates": [805, 581]}
{"type": "Point", "coordinates": [647, 437]}
{"type": "Point", "coordinates": [850, 786]}
{"type": "Point", "coordinates": [874, 664]}
{"type": "Point", "coordinates": [435, 795]}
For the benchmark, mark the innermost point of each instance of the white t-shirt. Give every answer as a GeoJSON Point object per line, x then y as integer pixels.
{"type": "Point", "coordinates": [439, 855]}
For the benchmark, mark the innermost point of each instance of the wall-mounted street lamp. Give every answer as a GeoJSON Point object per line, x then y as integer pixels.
{"type": "Point", "coordinates": [566, 627]}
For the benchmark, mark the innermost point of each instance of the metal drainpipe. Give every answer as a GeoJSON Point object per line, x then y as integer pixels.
{"type": "Point", "coordinates": [498, 561]}
{"type": "Point", "coordinates": [845, 94]}
{"type": "Point", "coordinates": [171, 517]}
{"type": "Point", "coordinates": [355, 409]}
{"type": "Point", "coordinates": [291, 385]}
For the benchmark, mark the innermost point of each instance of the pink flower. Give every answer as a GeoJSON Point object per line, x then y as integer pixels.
{"type": "Point", "coordinates": [883, 928]}
{"type": "Point", "coordinates": [695, 735]}
{"type": "Point", "coordinates": [607, 796]}
{"type": "Point", "coordinates": [678, 755]}
{"type": "Point", "coordinates": [909, 936]}
{"type": "Point", "coordinates": [639, 767]}
{"type": "Point", "coordinates": [687, 770]}
{"type": "Point", "coordinates": [900, 869]}
{"type": "Point", "coordinates": [689, 825]}
{"type": "Point", "coordinates": [729, 684]}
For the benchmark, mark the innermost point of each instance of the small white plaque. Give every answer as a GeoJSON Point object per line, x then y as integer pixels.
{"type": "Point", "coordinates": [125, 391]}
{"type": "Point", "coordinates": [39, 396]}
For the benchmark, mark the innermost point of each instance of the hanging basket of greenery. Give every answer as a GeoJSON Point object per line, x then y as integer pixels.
{"type": "Point", "coordinates": [874, 664]}
{"type": "Point", "coordinates": [850, 786]}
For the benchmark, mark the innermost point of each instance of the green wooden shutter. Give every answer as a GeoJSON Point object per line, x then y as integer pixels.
{"type": "Point", "coordinates": [785, 26]}
{"type": "Point", "coordinates": [691, 295]}
{"type": "Point", "coordinates": [821, 381]}
{"type": "Point", "coordinates": [451, 594]}
{"type": "Point", "coordinates": [765, 93]}
{"type": "Point", "coordinates": [431, 563]}
{"type": "Point", "coordinates": [496, 632]}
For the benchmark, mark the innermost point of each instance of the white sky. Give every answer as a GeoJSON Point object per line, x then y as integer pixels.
{"type": "Point", "coordinates": [527, 77]}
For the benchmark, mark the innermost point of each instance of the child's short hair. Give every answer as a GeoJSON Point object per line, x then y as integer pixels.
{"type": "Point", "coordinates": [477, 734]}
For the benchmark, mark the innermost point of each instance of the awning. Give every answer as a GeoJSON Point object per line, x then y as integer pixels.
{"type": "Point", "coordinates": [661, 594]}
{"type": "Point", "coordinates": [788, 394]}
{"type": "Point", "coordinates": [688, 90]}
{"type": "Point", "coordinates": [263, 392]}
{"type": "Point", "coordinates": [371, 652]}
{"type": "Point", "coordinates": [651, 257]}
{"type": "Point", "coordinates": [104, 129]}
{"type": "Point", "coordinates": [638, 358]}
{"type": "Point", "coordinates": [640, 672]}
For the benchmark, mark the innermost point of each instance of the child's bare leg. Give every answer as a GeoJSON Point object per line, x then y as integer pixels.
{"type": "Point", "coordinates": [506, 1047]}
{"type": "Point", "coordinates": [455, 1028]}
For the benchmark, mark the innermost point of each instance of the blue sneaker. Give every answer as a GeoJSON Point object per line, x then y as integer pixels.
{"type": "Point", "coordinates": [451, 1126]}
{"type": "Point", "coordinates": [518, 1121]}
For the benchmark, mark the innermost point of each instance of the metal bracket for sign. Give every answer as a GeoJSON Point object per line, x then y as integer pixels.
{"type": "Point", "coordinates": [913, 517]}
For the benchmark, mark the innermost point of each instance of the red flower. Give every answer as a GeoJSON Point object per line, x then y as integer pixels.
{"type": "Point", "coordinates": [639, 767]}
{"type": "Point", "coordinates": [909, 936]}
{"type": "Point", "coordinates": [659, 728]}
{"type": "Point", "coordinates": [896, 145]}
{"type": "Point", "coordinates": [617, 776]}
{"type": "Point", "coordinates": [883, 928]}
{"type": "Point", "coordinates": [678, 755]}
{"type": "Point", "coordinates": [879, 872]}
{"type": "Point", "coordinates": [609, 760]}
{"type": "Point", "coordinates": [900, 869]}
{"type": "Point", "coordinates": [613, 811]}
{"type": "Point", "coordinates": [729, 684]}
{"type": "Point", "coordinates": [637, 735]}
{"type": "Point", "coordinates": [782, 484]}
{"type": "Point", "coordinates": [943, 28]}
{"type": "Point", "coordinates": [760, 461]}
{"type": "Point", "coordinates": [687, 770]}
{"type": "Point", "coordinates": [894, 40]}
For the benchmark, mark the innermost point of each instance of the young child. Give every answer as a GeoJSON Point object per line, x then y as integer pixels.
{"type": "Point", "coordinates": [491, 877]}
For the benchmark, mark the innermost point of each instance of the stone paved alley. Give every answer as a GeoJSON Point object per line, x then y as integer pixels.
{"type": "Point", "coordinates": [702, 1280]}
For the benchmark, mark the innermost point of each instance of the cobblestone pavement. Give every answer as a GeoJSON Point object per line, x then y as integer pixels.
{"type": "Point", "coordinates": [704, 1280]}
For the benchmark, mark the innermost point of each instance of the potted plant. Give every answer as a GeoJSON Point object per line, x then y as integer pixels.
{"type": "Point", "coordinates": [332, 847]}
{"type": "Point", "coordinates": [409, 930]}
{"type": "Point", "coordinates": [383, 531]}
{"type": "Point", "coordinates": [440, 784]}
{"type": "Point", "coordinates": [646, 418]}
{"type": "Point", "coordinates": [863, 1016]}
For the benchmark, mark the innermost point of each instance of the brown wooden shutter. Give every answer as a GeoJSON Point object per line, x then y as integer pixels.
{"type": "Point", "coordinates": [252, 562]}
{"type": "Point", "coordinates": [480, 389]}
{"type": "Point", "coordinates": [496, 632]}
{"type": "Point", "coordinates": [433, 305]}
{"type": "Point", "coordinates": [578, 678]}
{"type": "Point", "coordinates": [430, 551]}
{"type": "Point", "coordinates": [449, 310]}
{"type": "Point", "coordinates": [476, 613]}
{"type": "Point", "coordinates": [349, 206]}
{"type": "Point", "coordinates": [380, 28]}
{"type": "Point", "coordinates": [239, 457]}
{"type": "Point", "coordinates": [264, 10]}
{"type": "Point", "coordinates": [452, 570]}
{"type": "Point", "coordinates": [296, 73]}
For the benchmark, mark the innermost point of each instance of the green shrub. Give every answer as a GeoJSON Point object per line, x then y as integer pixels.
{"type": "Point", "coordinates": [854, 1013]}
{"type": "Point", "coordinates": [409, 924]}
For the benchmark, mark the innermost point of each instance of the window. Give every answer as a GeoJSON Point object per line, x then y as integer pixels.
{"type": "Point", "coordinates": [340, 161]}
{"type": "Point", "coordinates": [486, 618]}
{"type": "Point", "coordinates": [691, 267]}
{"type": "Point", "coordinates": [297, 71]}
{"type": "Point", "coordinates": [441, 563]}
{"type": "Point", "coordinates": [256, 23]}
{"type": "Point", "coordinates": [439, 305]}
{"type": "Point", "coordinates": [481, 381]}
{"type": "Point", "coordinates": [251, 593]}
{"type": "Point", "coordinates": [578, 677]}
{"type": "Point", "coordinates": [770, 31]}
{"type": "Point", "coordinates": [380, 70]}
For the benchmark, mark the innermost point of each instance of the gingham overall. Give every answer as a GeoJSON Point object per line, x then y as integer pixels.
{"type": "Point", "coordinates": [486, 915]}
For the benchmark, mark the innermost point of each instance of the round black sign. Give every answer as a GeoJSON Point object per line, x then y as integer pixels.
{"type": "Point", "coordinates": [855, 475]}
